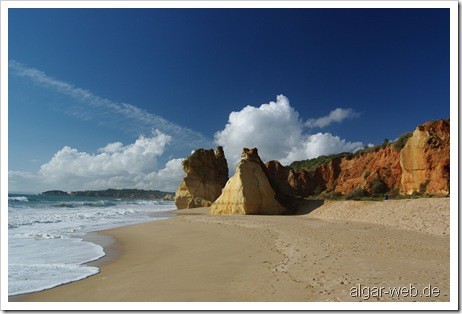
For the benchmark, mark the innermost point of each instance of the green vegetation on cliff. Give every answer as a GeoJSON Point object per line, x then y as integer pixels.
{"type": "Point", "coordinates": [401, 141]}
{"type": "Point", "coordinates": [312, 164]}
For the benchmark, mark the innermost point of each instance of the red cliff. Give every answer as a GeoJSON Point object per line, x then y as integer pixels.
{"type": "Point", "coordinates": [417, 162]}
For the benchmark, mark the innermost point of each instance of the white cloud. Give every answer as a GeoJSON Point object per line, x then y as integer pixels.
{"type": "Point", "coordinates": [337, 115]}
{"type": "Point", "coordinates": [114, 166]}
{"type": "Point", "coordinates": [20, 174]}
{"type": "Point", "coordinates": [166, 179]}
{"type": "Point", "coordinates": [278, 132]}
{"type": "Point", "coordinates": [111, 147]}
{"type": "Point", "coordinates": [122, 116]}
{"type": "Point", "coordinates": [273, 128]}
{"type": "Point", "coordinates": [320, 144]}
{"type": "Point", "coordinates": [113, 160]}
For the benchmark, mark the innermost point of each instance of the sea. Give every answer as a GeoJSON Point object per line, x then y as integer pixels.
{"type": "Point", "coordinates": [46, 235]}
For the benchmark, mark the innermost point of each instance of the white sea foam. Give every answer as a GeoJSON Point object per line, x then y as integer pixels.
{"type": "Point", "coordinates": [46, 276]}
{"type": "Point", "coordinates": [17, 199]}
{"type": "Point", "coordinates": [45, 236]}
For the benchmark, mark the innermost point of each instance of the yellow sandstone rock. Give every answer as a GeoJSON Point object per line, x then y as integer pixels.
{"type": "Point", "coordinates": [248, 192]}
{"type": "Point", "coordinates": [425, 160]}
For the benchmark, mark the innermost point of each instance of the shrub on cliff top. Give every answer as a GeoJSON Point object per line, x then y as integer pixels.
{"type": "Point", "coordinates": [311, 164]}
{"type": "Point", "coordinates": [401, 141]}
{"type": "Point", "coordinates": [367, 149]}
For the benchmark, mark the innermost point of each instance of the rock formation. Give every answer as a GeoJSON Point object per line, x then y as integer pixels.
{"type": "Point", "coordinates": [278, 176]}
{"type": "Point", "coordinates": [425, 160]}
{"type": "Point", "coordinates": [169, 197]}
{"type": "Point", "coordinates": [206, 175]}
{"type": "Point", "coordinates": [417, 162]}
{"type": "Point", "coordinates": [249, 191]}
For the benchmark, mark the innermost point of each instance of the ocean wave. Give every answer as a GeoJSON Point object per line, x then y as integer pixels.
{"type": "Point", "coordinates": [43, 235]}
{"type": "Point", "coordinates": [84, 204]}
{"type": "Point", "coordinates": [89, 215]}
{"type": "Point", "coordinates": [15, 223]}
{"type": "Point", "coordinates": [143, 202]}
{"type": "Point", "coordinates": [17, 199]}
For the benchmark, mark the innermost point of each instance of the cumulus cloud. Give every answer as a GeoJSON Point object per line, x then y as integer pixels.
{"type": "Point", "coordinates": [273, 128]}
{"type": "Point", "coordinates": [114, 166]}
{"type": "Point", "coordinates": [278, 132]}
{"type": "Point", "coordinates": [319, 144]}
{"type": "Point", "coordinates": [111, 148]}
{"type": "Point", "coordinates": [114, 159]}
{"type": "Point", "coordinates": [166, 179]}
{"type": "Point", "coordinates": [337, 115]}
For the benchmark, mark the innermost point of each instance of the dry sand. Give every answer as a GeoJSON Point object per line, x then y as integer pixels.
{"type": "Point", "coordinates": [423, 214]}
{"type": "Point", "coordinates": [198, 257]}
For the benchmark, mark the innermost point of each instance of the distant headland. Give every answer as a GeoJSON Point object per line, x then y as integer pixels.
{"type": "Point", "coordinates": [115, 193]}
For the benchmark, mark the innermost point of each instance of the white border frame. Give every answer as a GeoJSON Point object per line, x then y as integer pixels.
{"type": "Point", "coordinates": [454, 241]}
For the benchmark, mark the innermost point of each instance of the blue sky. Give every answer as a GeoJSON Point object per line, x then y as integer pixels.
{"type": "Point", "coordinates": [161, 82]}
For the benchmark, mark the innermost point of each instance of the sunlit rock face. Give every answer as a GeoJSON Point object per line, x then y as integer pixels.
{"type": "Point", "coordinates": [206, 175]}
{"type": "Point", "coordinates": [248, 192]}
{"type": "Point", "coordinates": [425, 160]}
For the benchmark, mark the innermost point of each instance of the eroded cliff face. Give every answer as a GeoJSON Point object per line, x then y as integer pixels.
{"type": "Point", "coordinates": [307, 183]}
{"type": "Point", "coordinates": [425, 160]}
{"type": "Point", "coordinates": [206, 175]}
{"type": "Point", "coordinates": [249, 191]}
{"type": "Point", "coordinates": [421, 166]}
{"type": "Point", "coordinates": [361, 172]}
{"type": "Point", "coordinates": [278, 175]}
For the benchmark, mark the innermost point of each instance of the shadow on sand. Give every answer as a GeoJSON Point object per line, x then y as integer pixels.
{"type": "Point", "coordinates": [304, 206]}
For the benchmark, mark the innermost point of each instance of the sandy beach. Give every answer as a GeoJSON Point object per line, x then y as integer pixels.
{"type": "Point", "coordinates": [322, 254]}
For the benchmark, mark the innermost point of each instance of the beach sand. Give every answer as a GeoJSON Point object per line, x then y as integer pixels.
{"type": "Point", "coordinates": [318, 255]}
